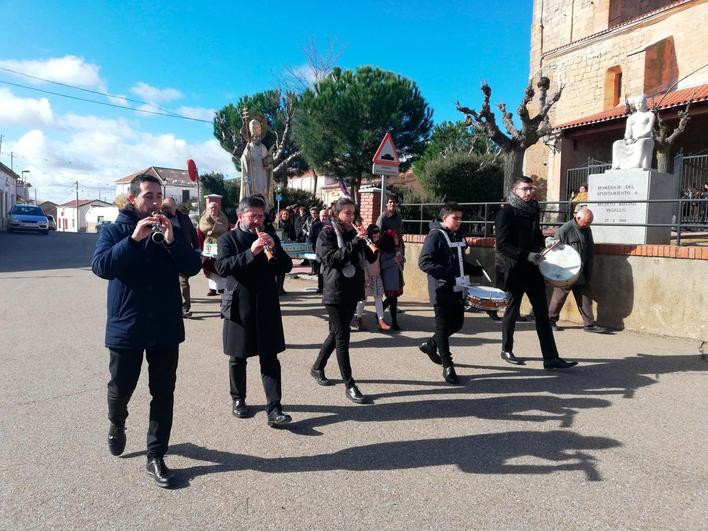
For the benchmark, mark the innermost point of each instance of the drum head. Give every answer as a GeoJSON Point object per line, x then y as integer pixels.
{"type": "Point", "coordinates": [486, 297]}
{"type": "Point", "coordinates": [561, 266]}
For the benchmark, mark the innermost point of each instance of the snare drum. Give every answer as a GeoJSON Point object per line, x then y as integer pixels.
{"type": "Point", "coordinates": [561, 267]}
{"type": "Point", "coordinates": [486, 298]}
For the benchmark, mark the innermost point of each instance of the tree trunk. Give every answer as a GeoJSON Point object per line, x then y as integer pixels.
{"type": "Point", "coordinates": [664, 161]}
{"type": "Point", "coordinates": [513, 167]}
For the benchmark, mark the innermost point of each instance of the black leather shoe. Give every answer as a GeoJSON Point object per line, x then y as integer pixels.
{"type": "Point", "coordinates": [278, 418]}
{"type": "Point", "coordinates": [211, 293]}
{"type": "Point", "coordinates": [556, 328]}
{"type": "Point", "coordinates": [595, 329]}
{"type": "Point", "coordinates": [431, 351]}
{"type": "Point", "coordinates": [116, 439]}
{"type": "Point", "coordinates": [186, 314]}
{"type": "Point", "coordinates": [510, 358]}
{"type": "Point", "coordinates": [240, 409]}
{"type": "Point", "coordinates": [320, 377]}
{"type": "Point", "coordinates": [157, 470]}
{"type": "Point", "coordinates": [494, 315]}
{"type": "Point", "coordinates": [558, 363]}
{"type": "Point", "coordinates": [450, 375]}
{"type": "Point", "coordinates": [355, 395]}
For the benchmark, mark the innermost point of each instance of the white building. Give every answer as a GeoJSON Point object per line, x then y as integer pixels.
{"type": "Point", "coordinates": [175, 183]}
{"type": "Point", "coordinates": [100, 214]}
{"type": "Point", "coordinates": [67, 215]}
{"type": "Point", "coordinates": [8, 192]}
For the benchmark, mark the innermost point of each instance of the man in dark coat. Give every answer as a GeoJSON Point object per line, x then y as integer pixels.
{"type": "Point", "coordinates": [578, 235]}
{"type": "Point", "coordinates": [519, 240]}
{"type": "Point", "coordinates": [440, 259]}
{"type": "Point", "coordinates": [144, 314]}
{"type": "Point", "coordinates": [250, 259]}
{"type": "Point", "coordinates": [181, 221]}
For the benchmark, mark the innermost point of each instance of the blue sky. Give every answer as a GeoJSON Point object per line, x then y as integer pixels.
{"type": "Point", "coordinates": [193, 58]}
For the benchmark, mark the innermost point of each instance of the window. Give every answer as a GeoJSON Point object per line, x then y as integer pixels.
{"type": "Point", "coordinates": [613, 87]}
{"type": "Point", "coordinates": [185, 196]}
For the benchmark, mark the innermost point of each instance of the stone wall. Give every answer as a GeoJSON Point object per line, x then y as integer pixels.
{"type": "Point", "coordinates": [658, 289]}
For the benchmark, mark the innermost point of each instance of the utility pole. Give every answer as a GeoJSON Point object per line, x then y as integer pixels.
{"type": "Point", "coordinates": [12, 160]}
{"type": "Point", "coordinates": [77, 206]}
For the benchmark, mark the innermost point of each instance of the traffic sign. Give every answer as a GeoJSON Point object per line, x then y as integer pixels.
{"type": "Point", "coordinates": [279, 198]}
{"type": "Point", "coordinates": [380, 169]}
{"type": "Point", "coordinates": [192, 170]}
{"type": "Point", "coordinates": [386, 155]}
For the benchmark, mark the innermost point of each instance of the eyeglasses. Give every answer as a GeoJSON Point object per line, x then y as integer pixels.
{"type": "Point", "coordinates": [525, 189]}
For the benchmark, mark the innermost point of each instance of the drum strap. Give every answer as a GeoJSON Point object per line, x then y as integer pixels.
{"type": "Point", "coordinates": [459, 246]}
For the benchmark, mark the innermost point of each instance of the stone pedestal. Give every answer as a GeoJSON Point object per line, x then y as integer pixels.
{"type": "Point", "coordinates": [634, 184]}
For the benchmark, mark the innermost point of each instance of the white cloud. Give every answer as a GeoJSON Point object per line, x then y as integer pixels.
{"type": "Point", "coordinates": [154, 94]}
{"type": "Point", "coordinates": [197, 112]}
{"type": "Point", "coordinates": [28, 112]}
{"type": "Point", "coordinates": [69, 69]}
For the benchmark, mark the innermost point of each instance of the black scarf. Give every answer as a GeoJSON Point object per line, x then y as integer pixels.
{"type": "Point", "coordinates": [527, 209]}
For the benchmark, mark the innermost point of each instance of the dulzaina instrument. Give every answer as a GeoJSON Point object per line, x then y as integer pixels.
{"type": "Point", "coordinates": [266, 248]}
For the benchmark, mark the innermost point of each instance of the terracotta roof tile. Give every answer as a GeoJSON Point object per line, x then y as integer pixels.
{"type": "Point", "coordinates": [673, 99]}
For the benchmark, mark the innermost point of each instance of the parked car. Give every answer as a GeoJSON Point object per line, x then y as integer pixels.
{"type": "Point", "coordinates": [27, 218]}
{"type": "Point", "coordinates": [52, 222]}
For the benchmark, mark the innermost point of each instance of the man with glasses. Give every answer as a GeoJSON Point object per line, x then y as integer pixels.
{"type": "Point", "coordinates": [519, 240]}
{"type": "Point", "coordinates": [250, 258]}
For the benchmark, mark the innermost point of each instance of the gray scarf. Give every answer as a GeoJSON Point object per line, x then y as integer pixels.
{"type": "Point", "coordinates": [529, 209]}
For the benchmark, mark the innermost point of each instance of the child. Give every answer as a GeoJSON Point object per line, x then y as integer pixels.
{"type": "Point", "coordinates": [374, 284]}
{"type": "Point", "coordinates": [391, 254]}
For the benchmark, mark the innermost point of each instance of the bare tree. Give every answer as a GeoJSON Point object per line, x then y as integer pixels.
{"type": "Point", "coordinates": [516, 141]}
{"type": "Point", "coordinates": [665, 137]}
{"type": "Point", "coordinates": [318, 65]}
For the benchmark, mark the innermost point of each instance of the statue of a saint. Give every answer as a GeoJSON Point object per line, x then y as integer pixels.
{"type": "Point", "coordinates": [256, 165]}
{"type": "Point", "coordinates": [637, 147]}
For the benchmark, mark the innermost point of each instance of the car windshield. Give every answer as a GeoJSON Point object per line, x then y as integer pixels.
{"type": "Point", "coordinates": [27, 210]}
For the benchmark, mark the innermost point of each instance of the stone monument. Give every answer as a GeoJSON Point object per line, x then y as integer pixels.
{"type": "Point", "coordinates": [632, 178]}
{"type": "Point", "coordinates": [256, 161]}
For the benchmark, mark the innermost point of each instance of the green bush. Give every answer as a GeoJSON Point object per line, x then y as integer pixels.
{"type": "Point", "coordinates": [463, 177]}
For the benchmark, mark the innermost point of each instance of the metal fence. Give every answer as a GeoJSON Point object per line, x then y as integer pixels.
{"type": "Point", "coordinates": [478, 218]}
{"type": "Point", "coordinates": [577, 176]}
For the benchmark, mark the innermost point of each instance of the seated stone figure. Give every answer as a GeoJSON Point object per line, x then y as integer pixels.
{"type": "Point", "coordinates": [637, 147]}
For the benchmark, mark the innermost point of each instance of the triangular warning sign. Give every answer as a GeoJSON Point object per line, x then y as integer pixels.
{"type": "Point", "coordinates": [386, 155]}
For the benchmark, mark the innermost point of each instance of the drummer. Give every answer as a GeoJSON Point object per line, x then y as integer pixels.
{"type": "Point", "coordinates": [578, 235]}
{"type": "Point", "coordinates": [442, 259]}
{"type": "Point", "coordinates": [519, 240]}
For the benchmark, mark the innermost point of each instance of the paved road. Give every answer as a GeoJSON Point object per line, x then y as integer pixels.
{"type": "Point", "coordinates": [619, 442]}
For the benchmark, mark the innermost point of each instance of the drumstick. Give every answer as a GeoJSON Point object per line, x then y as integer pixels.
{"type": "Point", "coordinates": [483, 270]}
{"type": "Point", "coordinates": [549, 248]}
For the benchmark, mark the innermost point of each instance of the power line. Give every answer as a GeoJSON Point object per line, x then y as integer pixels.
{"type": "Point", "coordinates": [75, 87]}
{"type": "Point", "coordinates": [170, 115]}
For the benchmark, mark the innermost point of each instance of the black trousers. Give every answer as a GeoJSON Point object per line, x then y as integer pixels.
{"type": "Point", "coordinates": [340, 315]}
{"type": "Point", "coordinates": [528, 280]}
{"type": "Point", "coordinates": [124, 367]}
{"type": "Point", "coordinates": [449, 318]}
{"type": "Point", "coordinates": [270, 375]}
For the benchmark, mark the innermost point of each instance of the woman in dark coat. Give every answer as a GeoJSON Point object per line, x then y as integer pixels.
{"type": "Point", "coordinates": [252, 322]}
{"type": "Point", "coordinates": [341, 249]}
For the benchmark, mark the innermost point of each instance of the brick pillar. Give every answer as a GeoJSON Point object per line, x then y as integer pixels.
{"type": "Point", "coordinates": [369, 206]}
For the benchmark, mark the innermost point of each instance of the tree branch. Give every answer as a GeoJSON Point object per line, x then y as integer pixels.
{"type": "Point", "coordinates": [507, 118]}
{"type": "Point", "coordinates": [486, 120]}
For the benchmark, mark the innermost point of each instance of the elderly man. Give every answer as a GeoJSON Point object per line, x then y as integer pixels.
{"type": "Point", "coordinates": [250, 258]}
{"type": "Point", "coordinates": [578, 235]}
{"type": "Point", "coordinates": [144, 315]}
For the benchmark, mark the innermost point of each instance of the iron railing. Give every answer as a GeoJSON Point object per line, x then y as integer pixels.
{"type": "Point", "coordinates": [478, 218]}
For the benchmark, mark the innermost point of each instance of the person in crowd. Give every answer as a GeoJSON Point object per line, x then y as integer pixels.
{"type": "Point", "coordinates": [341, 248]}
{"type": "Point", "coordinates": [578, 234]}
{"type": "Point", "coordinates": [302, 220]}
{"type": "Point", "coordinates": [392, 273]}
{"type": "Point", "coordinates": [144, 314]}
{"type": "Point", "coordinates": [212, 225]}
{"type": "Point", "coordinates": [580, 198]}
{"type": "Point", "coordinates": [181, 221]}
{"type": "Point", "coordinates": [373, 285]}
{"type": "Point", "coordinates": [250, 258]}
{"type": "Point", "coordinates": [285, 227]}
{"type": "Point", "coordinates": [520, 240]}
{"type": "Point", "coordinates": [314, 236]}
{"type": "Point", "coordinates": [440, 259]}
{"type": "Point", "coordinates": [391, 218]}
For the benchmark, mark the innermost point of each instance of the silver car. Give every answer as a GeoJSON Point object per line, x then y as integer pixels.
{"type": "Point", "coordinates": [27, 218]}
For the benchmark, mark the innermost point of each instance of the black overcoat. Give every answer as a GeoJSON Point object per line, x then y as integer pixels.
{"type": "Point", "coordinates": [250, 307]}
{"type": "Point", "coordinates": [518, 234]}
